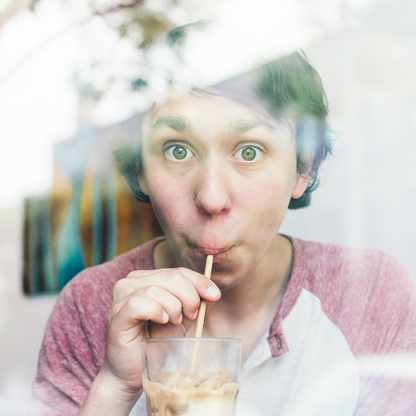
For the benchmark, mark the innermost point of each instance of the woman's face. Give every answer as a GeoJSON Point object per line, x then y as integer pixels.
{"type": "Point", "coordinates": [219, 181]}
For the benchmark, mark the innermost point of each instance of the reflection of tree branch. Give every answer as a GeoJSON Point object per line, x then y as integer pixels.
{"type": "Point", "coordinates": [118, 7]}
{"type": "Point", "coordinates": [142, 25]}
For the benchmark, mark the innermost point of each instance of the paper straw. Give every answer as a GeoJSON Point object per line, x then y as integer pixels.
{"type": "Point", "coordinates": [201, 318]}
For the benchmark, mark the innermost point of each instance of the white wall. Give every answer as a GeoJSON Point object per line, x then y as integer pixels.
{"type": "Point", "coordinates": [368, 190]}
{"type": "Point", "coordinates": [22, 320]}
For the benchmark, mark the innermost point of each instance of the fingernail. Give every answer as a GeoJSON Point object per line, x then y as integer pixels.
{"type": "Point", "coordinates": [195, 315]}
{"type": "Point", "coordinates": [213, 292]}
{"type": "Point", "coordinates": [165, 316]}
{"type": "Point", "coordinates": [180, 318]}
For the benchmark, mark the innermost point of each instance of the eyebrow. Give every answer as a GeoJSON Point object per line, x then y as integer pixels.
{"type": "Point", "coordinates": [181, 124]}
{"type": "Point", "coordinates": [174, 122]}
{"type": "Point", "coordinates": [241, 126]}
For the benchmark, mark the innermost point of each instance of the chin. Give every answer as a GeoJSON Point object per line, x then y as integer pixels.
{"type": "Point", "coordinates": [224, 278]}
{"type": "Point", "coordinates": [225, 285]}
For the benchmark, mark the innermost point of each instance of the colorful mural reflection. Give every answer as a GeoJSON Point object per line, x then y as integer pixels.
{"type": "Point", "coordinates": [90, 215]}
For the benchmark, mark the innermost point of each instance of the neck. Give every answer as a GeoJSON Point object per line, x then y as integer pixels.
{"type": "Point", "coordinates": [261, 292]}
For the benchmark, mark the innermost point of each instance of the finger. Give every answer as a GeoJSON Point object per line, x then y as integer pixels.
{"type": "Point", "coordinates": [136, 310]}
{"type": "Point", "coordinates": [122, 289]}
{"type": "Point", "coordinates": [188, 286]}
{"type": "Point", "coordinates": [170, 280]}
{"type": "Point", "coordinates": [170, 303]}
{"type": "Point", "coordinates": [188, 323]}
{"type": "Point", "coordinates": [115, 308]}
{"type": "Point", "coordinates": [206, 289]}
{"type": "Point", "coordinates": [132, 282]}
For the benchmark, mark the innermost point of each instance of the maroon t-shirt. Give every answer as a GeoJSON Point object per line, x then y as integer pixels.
{"type": "Point", "coordinates": [366, 294]}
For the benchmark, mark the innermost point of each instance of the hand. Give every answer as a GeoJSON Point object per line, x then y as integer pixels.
{"type": "Point", "coordinates": [158, 303]}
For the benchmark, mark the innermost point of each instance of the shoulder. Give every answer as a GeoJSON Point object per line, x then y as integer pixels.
{"type": "Point", "coordinates": [364, 292]}
{"type": "Point", "coordinates": [363, 266]}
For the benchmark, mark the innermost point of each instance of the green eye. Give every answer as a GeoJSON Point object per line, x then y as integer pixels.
{"type": "Point", "coordinates": [178, 152]}
{"type": "Point", "coordinates": [248, 154]}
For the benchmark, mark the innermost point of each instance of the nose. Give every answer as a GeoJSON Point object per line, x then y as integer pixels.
{"type": "Point", "coordinates": [212, 195]}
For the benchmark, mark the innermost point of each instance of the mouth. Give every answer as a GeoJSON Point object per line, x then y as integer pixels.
{"type": "Point", "coordinates": [218, 253]}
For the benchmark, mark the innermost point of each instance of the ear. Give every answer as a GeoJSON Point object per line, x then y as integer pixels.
{"type": "Point", "coordinates": [300, 186]}
{"type": "Point", "coordinates": [143, 185]}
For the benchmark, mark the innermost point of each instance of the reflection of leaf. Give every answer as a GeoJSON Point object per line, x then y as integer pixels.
{"type": "Point", "coordinates": [176, 35]}
{"type": "Point", "coordinates": [138, 84]}
{"type": "Point", "coordinates": [153, 27]}
{"type": "Point", "coordinates": [134, 17]}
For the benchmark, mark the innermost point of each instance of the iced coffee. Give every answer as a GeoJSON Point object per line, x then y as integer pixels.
{"type": "Point", "coordinates": [172, 389]}
{"type": "Point", "coordinates": [182, 394]}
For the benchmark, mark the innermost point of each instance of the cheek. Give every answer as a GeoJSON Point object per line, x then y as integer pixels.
{"type": "Point", "coordinates": [272, 194]}
{"type": "Point", "coordinates": [268, 203]}
{"type": "Point", "coordinates": [169, 202]}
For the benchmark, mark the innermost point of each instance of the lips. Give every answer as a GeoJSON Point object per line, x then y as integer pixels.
{"type": "Point", "coordinates": [214, 251]}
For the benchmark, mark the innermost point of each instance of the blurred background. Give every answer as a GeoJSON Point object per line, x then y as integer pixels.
{"type": "Point", "coordinates": [68, 80]}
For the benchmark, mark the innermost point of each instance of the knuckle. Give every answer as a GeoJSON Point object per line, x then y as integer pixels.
{"type": "Point", "coordinates": [151, 291]}
{"type": "Point", "coordinates": [121, 288]}
{"type": "Point", "coordinates": [181, 270]}
{"type": "Point", "coordinates": [118, 287]}
{"type": "Point", "coordinates": [176, 276]}
{"type": "Point", "coordinates": [132, 303]}
{"type": "Point", "coordinates": [133, 273]}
